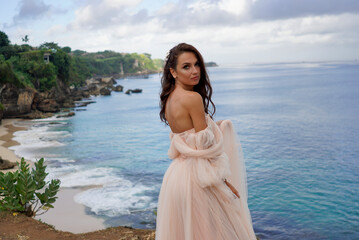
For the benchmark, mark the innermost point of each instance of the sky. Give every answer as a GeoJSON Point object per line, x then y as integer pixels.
{"type": "Point", "coordinates": [224, 31]}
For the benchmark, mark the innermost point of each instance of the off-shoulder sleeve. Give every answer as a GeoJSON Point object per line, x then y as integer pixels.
{"type": "Point", "coordinates": [204, 152]}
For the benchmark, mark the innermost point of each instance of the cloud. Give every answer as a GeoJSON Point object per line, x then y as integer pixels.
{"type": "Point", "coordinates": [223, 30]}
{"type": "Point", "coordinates": [284, 9]}
{"type": "Point", "coordinates": [31, 9]}
{"type": "Point", "coordinates": [99, 14]}
{"type": "Point", "coordinates": [191, 14]}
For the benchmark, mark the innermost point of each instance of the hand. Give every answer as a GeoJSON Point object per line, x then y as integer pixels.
{"type": "Point", "coordinates": [234, 190]}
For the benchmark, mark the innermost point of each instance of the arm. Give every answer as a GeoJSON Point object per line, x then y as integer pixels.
{"type": "Point", "coordinates": [234, 190]}
{"type": "Point", "coordinates": [194, 105]}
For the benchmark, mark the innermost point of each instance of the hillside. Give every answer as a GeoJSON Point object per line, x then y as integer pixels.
{"type": "Point", "coordinates": [48, 77]}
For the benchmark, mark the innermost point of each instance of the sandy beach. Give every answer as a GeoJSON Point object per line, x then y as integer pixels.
{"type": "Point", "coordinates": [7, 129]}
{"type": "Point", "coordinates": [67, 215]}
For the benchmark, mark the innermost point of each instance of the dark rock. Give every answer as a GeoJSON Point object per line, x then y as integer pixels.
{"type": "Point", "coordinates": [86, 94]}
{"type": "Point", "coordinates": [80, 109]}
{"type": "Point", "coordinates": [8, 97]}
{"type": "Point", "coordinates": [68, 104]}
{"type": "Point", "coordinates": [77, 98]}
{"type": "Point", "coordinates": [118, 88]}
{"type": "Point", "coordinates": [84, 104]}
{"type": "Point", "coordinates": [6, 164]}
{"type": "Point", "coordinates": [57, 94]}
{"type": "Point", "coordinates": [48, 105]}
{"type": "Point", "coordinates": [37, 114]}
{"type": "Point", "coordinates": [66, 110]}
{"type": "Point", "coordinates": [136, 90]}
{"type": "Point", "coordinates": [105, 91]}
{"type": "Point", "coordinates": [37, 99]}
{"type": "Point", "coordinates": [70, 114]}
{"type": "Point", "coordinates": [11, 109]}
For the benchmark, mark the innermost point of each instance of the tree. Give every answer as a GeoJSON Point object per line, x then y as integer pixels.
{"type": "Point", "coordinates": [62, 62]}
{"type": "Point", "coordinates": [7, 51]}
{"type": "Point", "coordinates": [4, 40]}
{"type": "Point", "coordinates": [66, 49]}
{"type": "Point", "coordinates": [25, 39]}
{"type": "Point", "coordinates": [49, 45]}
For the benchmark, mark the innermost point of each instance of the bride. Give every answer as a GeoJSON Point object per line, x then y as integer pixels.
{"type": "Point", "coordinates": [204, 193]}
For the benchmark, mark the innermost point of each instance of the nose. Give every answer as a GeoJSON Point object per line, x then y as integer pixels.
{"type": "Point", "coordinates": [195, 69]}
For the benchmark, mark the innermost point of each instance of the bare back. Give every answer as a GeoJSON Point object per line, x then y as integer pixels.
{"type": "Point", "coordinates": [184, 110]}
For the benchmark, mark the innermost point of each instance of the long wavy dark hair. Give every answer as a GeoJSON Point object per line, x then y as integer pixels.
{"type": "Point", "coordinates": [204, 87]}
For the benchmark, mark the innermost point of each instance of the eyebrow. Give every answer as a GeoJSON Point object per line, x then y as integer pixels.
{"type": "Point", "coordinates": [189, 63]}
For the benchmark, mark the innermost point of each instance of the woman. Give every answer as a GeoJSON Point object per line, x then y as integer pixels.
{"type": "Point", "coordinates": [197, 200]}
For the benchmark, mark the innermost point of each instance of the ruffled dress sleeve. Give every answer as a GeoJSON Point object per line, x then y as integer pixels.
{"type": "Point", "coordinates": [204, 151]}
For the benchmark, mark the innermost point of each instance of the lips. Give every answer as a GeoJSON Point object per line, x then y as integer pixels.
{"type": "Point", "coordinates": [195, 78]}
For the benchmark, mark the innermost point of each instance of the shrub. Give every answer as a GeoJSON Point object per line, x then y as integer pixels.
{"type": "Point", "coordinates": [24, 190]}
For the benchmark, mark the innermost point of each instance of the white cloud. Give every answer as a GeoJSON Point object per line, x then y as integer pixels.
{"type": "Point", "coordinates": [237, 7]}
{"type": "Point", "coordinates": [224, 30]}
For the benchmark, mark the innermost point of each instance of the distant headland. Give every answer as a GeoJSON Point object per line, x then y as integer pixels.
{"type": "Point", "coordinates": [211, 64]}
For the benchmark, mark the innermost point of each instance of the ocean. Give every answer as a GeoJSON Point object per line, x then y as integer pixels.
{"type": "Point", "coordinates": [298, 124]}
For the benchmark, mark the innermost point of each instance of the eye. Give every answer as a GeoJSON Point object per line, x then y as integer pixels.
{"type": "Point", "coordinates": [186, 66]}
{"type": "Point", "coordinates": [197, 64]}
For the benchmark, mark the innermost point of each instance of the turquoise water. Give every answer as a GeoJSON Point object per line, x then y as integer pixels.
{"type": "Point", "coordinates": [298, 126]}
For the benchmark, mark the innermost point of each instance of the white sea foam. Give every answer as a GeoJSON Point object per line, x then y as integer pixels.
{"type": "Point", "coordinates": [50, 119]}
{"type": "Point", "coordinates": [115, 196]}
{"type": "Point", "coordinates": [122, 198]}
{"type": "Point", "coordinates": [37, 137]}
{"type": "Point", "coordinates": [79, 176]}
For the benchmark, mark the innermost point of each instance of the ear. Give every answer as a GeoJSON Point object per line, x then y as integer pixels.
{"type": "Point", "coordinates": [173, 72]}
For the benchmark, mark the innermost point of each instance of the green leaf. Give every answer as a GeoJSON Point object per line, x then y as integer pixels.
{"type": "Point", "coordinates": [48, 205]}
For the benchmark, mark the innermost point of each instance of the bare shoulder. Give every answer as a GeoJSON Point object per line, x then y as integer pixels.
{"type": "Point", "coordinates": [194, 105]}
{"type": "Point", "coordinates": [193, 101]}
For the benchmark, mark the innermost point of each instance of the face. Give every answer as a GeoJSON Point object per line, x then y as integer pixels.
{"type": "Point", "coordinates": [187, 72]}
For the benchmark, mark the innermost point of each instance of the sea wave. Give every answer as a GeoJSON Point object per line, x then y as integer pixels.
{"type": "Point", "coordinates": [37, 138]}
{"type": "Point", "coordinates": [125, 197]}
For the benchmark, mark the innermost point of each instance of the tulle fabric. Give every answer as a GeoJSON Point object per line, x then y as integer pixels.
{"type": "Point", "coordinates": [194, 202]}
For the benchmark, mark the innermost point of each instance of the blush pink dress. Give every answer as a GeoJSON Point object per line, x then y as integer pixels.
{"type": "Point", "coordinates": [194, 202]}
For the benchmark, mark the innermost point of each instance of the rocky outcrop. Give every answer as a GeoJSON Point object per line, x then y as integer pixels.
{"type": "Point", "coordinates": [6, 164]}
{"type": "Point", "coordinates": [136, 90]}
{"type": "Point", "coordinates": [84, 104]}
{"type": "Point", "coordinates": [29, 103]}
{"type": "Point", "coordinates": [117, 88]}
{"type": "Point", "coordinates": [96, 86]}
{"type": "Point", "coordinates": [35, 114]}
{"type": "Point", "coordinates": [26, 102]}
{"type": "Point", "coordinates": [48, 105]}
{"type": "Point", "coordinates": [25, 99]}
{"type": "Point", "coordinates": [105, 91]}
{"type": "Point", "coordinates": [109, 81]}
{"type": "Point", "coordinates": [70, 114]}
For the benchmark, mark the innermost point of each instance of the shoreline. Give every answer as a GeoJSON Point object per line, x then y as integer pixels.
{"type": "Point", "coordinates": [67, 215]}
{"type": "Point", "coordinates": [7, 129]}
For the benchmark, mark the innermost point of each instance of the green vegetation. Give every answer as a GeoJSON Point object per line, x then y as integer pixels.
{"type": "Point", "coordinates": [24, 65]}
{"type": "Point", "coordinates": [24, 190]}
